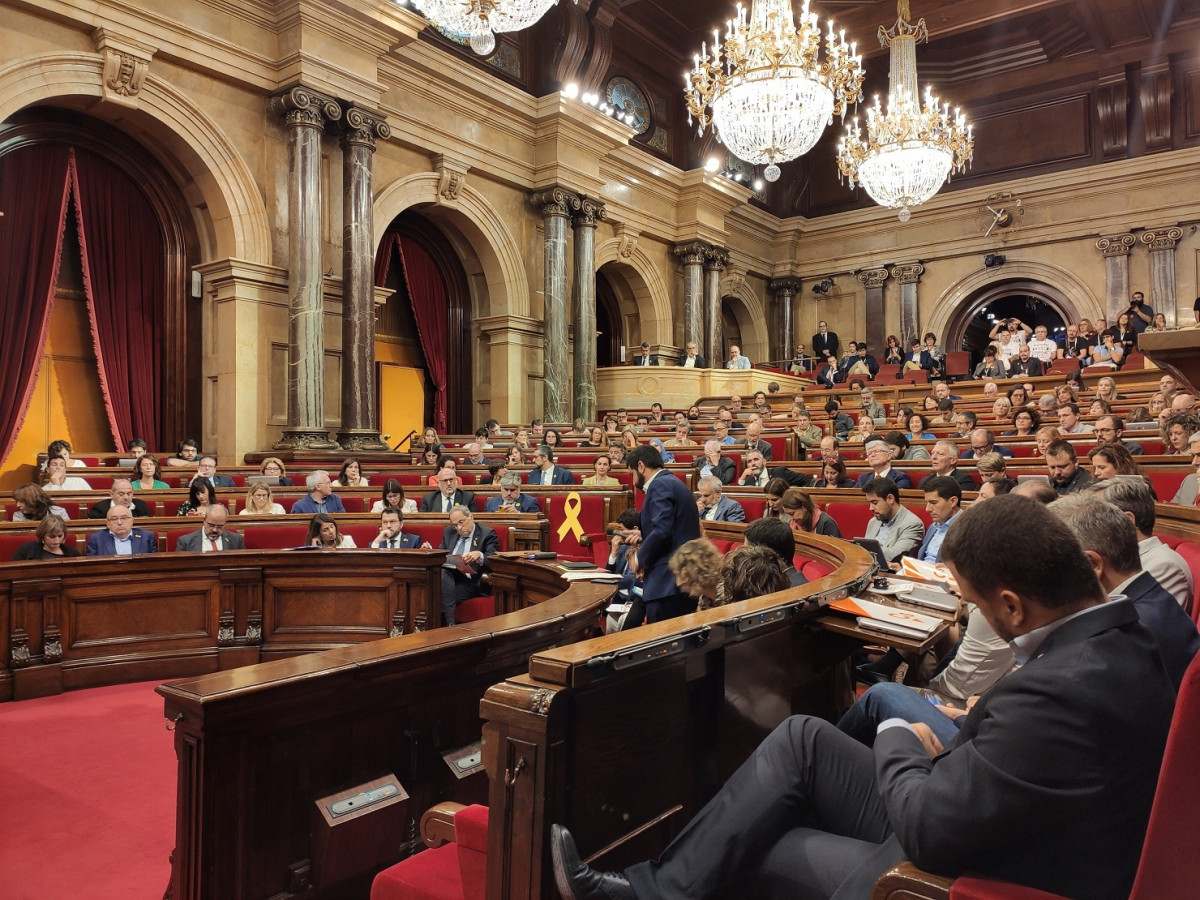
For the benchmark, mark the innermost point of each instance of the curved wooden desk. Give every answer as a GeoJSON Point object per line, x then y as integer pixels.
{"type": "Point", "coordinates": [258, 745]}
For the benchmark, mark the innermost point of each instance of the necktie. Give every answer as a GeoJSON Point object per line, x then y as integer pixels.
{"type": "Point", "coordinates": [391, 543]}
{"type": "Point", "coordinates": [213, 545]}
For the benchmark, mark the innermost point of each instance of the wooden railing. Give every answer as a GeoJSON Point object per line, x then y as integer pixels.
{"type": "Point", "coordinates": [258, 746]}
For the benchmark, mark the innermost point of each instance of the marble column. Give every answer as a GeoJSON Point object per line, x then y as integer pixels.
{"type": "Point", "coordinates": [306, 112]}
{"type": "Point", "coordinates": [1162, 243]}
{"type": "Point", "coordinates": [715, 260]}
{"type": "Point", "coordinates": [909, 277]}
{"type": "Point", "coordinates": [691, 255]}
{"type": "Point", "coordinates": [1116, 249]}
{"type": "Point", "coordinates": [360, 418]}
{"type": "Point", "coordinates": [785, 291]}
{"type": "Point", "coordinates": [876, 330]}
{"type": "Point", "coordinates": [585, 213]}
{"type": "Point", "coordinates": [555, 206]}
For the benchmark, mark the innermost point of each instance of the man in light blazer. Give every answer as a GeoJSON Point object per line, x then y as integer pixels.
{"type": "Point", "coordinates": [713, 506]}
{"type": "Point", "coordinates": [897, 529]}
{"type": "Point", "coordinates": [212, 537]}
{"type": "Point", "coordinates": [120, 538]}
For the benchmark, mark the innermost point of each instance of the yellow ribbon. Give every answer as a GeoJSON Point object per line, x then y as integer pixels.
{"type": "Point", "coordinates": [571, 509]}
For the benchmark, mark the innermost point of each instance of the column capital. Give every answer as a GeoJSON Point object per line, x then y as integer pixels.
{"type": "Point", "coordinates": [1116, 244]}
{"type": "Point", "coordinates": [304, 106]}
{"type": "Point", "coordinates": [909, 273]}
{"type": "Point", "coordinates": [586, 211]}
{"type": "Point", "coordinates": [691, 253]}
{"type": "Point", "coordinates": [363, 126]}
{"type": "Point", "coordinates": [1162, 238]}
{"type": "Point", "coordinates": [872, 278]}
{"type": "Point", "coordinates": [715, 259]}
{"type": "Point", "coordinates": [555, 201]}
{"type": "Point", "coordinates": [785, 287]}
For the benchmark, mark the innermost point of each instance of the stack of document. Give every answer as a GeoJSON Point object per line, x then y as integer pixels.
{"type": "Point", "coordinates": [888, 619]}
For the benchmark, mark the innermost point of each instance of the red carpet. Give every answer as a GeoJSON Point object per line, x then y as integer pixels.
{"type": "Point", "coordinates": [87, 786]}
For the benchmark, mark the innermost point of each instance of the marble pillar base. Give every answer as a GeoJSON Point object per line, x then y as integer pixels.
{"type": "Point", "coordinates": [305, 440]}
{"type": "Point", "coordinates": [359, 439]}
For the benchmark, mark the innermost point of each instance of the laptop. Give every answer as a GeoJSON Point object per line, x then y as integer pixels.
{"type": "Point", "coordinates": [269, 480]}
{"type": "Point", "coordinates": [875, 548]}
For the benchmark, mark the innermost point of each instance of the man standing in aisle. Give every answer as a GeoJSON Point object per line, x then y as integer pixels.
{"type": "Point", "coordinates": [669, 520]}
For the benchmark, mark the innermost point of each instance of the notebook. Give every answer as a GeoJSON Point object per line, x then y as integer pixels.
{"type": "Point", "coordinates": [918, 625]}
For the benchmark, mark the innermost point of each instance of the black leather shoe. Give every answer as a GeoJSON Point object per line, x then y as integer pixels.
{"type": "Point", "coordinates": [883, 669]}
{"type": "Point", "coordinates": [577, 881]}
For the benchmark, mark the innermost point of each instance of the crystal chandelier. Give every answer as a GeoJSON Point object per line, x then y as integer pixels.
{"type": "Point", "coordinates": [478, 19]}
{"type": "Point", "coordinates": [910, 150]}
{"type": "Point", "coordinates": [771, 97]}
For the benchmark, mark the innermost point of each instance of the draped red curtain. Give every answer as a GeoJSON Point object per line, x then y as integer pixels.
{"type": "Point", "coordinates": [33, 197]}
{"type": "Point", "coordinates": [427, 292]}
{"type": "Point", "coordinates": [123, 279]}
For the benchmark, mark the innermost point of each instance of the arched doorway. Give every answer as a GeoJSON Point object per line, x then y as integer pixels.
{"type": "Point", "coordinates": [1033, 302]}
{"type": "Point", "coordinates": [610, 341]}
{"type": "Point", "coordinates": [428, 259]}
{"type": "Point", "coordinates": [124, 298]}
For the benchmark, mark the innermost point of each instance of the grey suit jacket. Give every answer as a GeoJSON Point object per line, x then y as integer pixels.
{"type": "Point", "coordinates": [906, 533]}
{"type": "Point", "coordinates": [193, 542]}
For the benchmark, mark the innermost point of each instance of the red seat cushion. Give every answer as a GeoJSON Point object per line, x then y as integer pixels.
{"type": "Point", "coordinates": [851, 518]}
{"type": "Point", "coordinates": [472, 611]}
{"type": "Point", "coordinates": [812, 570]}
{"type": "Point", "coordinates": [275, 537]}
{"type": "Point", "coordinates": [429, 875]}
{"type": "Point", "coordinates": [971, 887]}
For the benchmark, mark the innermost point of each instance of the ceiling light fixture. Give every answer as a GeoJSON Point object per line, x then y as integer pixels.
{"type": "Point", "coordinates": [909, 151]}
{"type": "Point", "coordinates": [478, 19]}
{"type": "Point", "coordinates": [770, 98]}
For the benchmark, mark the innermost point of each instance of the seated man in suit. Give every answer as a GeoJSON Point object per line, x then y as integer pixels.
{"type": "Point", "coordinates": [776, 534]}
{"type": "Point", "coordinates": [712, 506]}
{"type": "Point", "coordinates": [321, 498]}
{"type": "Point", "coordinates": [898, 530]}
{"type": "Point", "coordinates": [390, 536]}
{"type": "Point", "coordinates": [511, 499]}
{"type": "Point", "coordinates": [983, 442]}
{"type": "Point", "coordinates": [120, 494]}
{"type": "Point", "coordinates": [943, 499]}
{"type": "Point", "coordinates": [943, 459]}
{"type": "Point", "coordinates": [472, 543]}
{"type": "Point", "coordinates": [692, 359]}
{"type": "Point", "coordinates": [713, 463]}
{"type": "Point", "coordinates": [213, 536]}
{"type": "Point", "coordinates": [814, 812]}
{"type": "Point", "coordinates": [120, 538]}
{"type": "Point", "coordinates": [647, 358]}
{"type": "Point", "coordinates": [207, 468]}
{"type": "Point", "coordinates": [545, 471]}
{"type": "Point", "coordinates": [879, 457]}
{"type": "Point", "coordinates": [754, 440]}
{"type": "Point", "coordinates": [448, 495]}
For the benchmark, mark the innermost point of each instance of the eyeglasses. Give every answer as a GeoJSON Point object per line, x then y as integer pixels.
{"type": "Point", "coordinates": [120, 518]}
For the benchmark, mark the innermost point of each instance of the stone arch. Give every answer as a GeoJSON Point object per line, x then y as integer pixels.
{"type": "Point", "coordinates": [1060, 288]}
{"type": "Point", "coordinates": [205, 164]}
{"type": "Point", "coordinates": [483, 228]}
{"type": "Point", "coordinates": [751, 316]}
{"type": "Point", "coordinates": [645, 282]}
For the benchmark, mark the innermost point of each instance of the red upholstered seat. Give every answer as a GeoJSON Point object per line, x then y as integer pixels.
{"type": "Point", "coordinates": [812, 569]}
{"type": "Point", "coordinates": [1165, 869]}
{"type": "Point", "coordinates": [454, 871]}
{"type": "Point", "coordinates": [754, 507]}
{"type": "Point", "coordinates": [11, 543]}
{"type": "Point", "coordinates": [1165, 483]}
{"type": "Point", "coordinates": [275, 537]}
{"type": "Point", "coordinates": [851, 518]}
{"type": "Point", "coordinates": [1190, 551]}
{"type": "Point", "coordinates": [590, 514]}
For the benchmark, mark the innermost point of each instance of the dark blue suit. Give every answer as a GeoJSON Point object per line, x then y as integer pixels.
{"type": "Point", "coordinates": [1171, 626]}
{"type": "Point", "coordinates": [403, 542]}
{"type": "Point", "coordinates": [1048, 784]}
{"type": "Point", "coordinates": [902, 480]}
{"type": "Point", "coordinates": [558, 475]}
{"type": "Point", "coordinates": [524, 502]}
{"type": "Point", "coordinates": [669, 520]}
{"type": "Point", "coordinates": [102, 543]}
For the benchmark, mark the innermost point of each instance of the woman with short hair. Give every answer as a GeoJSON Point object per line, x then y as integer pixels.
{"type": "Point", "coordinates": [51, 543]}
{"type": "Point", "coordinates": [393, 495]}
{"type": "Point", "coordinates": [803, 514]}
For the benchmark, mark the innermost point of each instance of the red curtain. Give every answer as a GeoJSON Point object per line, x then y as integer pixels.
{"type": "Point", "coordinates": [33, 197]}
{"type": "Point", "coordinates": [123, 280]}
{"type": "Point", "coordinates": [427, 292]}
